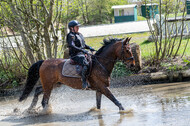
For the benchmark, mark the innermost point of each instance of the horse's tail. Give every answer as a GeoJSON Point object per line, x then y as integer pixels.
{"type": "Point", "coordinates": [33, 76]}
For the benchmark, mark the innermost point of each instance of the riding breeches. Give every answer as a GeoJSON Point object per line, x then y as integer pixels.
{"type": "Point", "coordinates": [81, 60]}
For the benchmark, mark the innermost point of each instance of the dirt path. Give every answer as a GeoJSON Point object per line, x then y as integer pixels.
{"type": "Point", "coordinates": [113, 29]}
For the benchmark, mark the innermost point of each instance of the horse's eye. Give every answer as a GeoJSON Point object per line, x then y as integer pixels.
{"type": "Point", "coordinates": [127, 49]}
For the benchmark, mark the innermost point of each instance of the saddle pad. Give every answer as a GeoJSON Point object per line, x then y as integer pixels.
{"type": "Point", "coordinates": [69, 70]}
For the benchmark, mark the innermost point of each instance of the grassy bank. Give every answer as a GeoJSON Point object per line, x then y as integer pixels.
{"type": "Point", "coordinates": [139, 38]}
{"type": "Point", "coordinates": [147, 47]}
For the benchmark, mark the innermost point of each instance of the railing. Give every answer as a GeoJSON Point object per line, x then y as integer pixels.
{"type": "Point", "coordinates": [172, 26]}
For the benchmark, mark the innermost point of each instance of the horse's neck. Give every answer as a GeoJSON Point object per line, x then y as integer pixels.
{"type": "Point", "coordinates": [108, 60]}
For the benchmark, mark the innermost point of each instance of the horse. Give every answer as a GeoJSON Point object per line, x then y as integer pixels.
{"type": "Point", "coordinates": [50, 73]}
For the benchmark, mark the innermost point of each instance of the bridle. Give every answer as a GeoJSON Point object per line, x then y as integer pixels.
{"type": "Point", "coordinates": [123, 58]}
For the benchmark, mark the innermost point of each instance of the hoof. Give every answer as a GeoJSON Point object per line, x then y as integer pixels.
{"type": "Point", "coordinates": [16, 110]}
{"type": "Point", "coordinates": [121, 108]}
{"type": "Point", "coordinates": [126, 111]}
{"type": "Point", "coordinates": [46, 110]}
{"type": "Point", "coordinates": [94, 109]}
{"type": "Point", "coordinates": [32, 111]}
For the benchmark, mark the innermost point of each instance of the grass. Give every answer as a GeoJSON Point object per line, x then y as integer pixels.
{"type": "Point", "coordinates": [138, 38]}
{"type": "Point", "coordinates": [141, 18]}
{"type": "Point", "coordinates": [178, 15]}
{"type": "Point", "coordinates": [147, 47]}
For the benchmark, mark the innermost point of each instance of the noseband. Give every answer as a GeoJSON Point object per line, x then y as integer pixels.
{"type": "Point", "coordinates": [123, 58]}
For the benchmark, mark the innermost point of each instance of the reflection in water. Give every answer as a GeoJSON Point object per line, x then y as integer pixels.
{"type": "Point", "coordinates": [152, 105]}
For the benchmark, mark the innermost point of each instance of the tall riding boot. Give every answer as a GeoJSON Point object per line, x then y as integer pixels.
{"type": "Point", "coordinates": [84, 72]}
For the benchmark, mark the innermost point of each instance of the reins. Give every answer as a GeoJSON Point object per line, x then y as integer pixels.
{"type": "Point", "coordinates": [122, 56]}
{"type": "Point", "coordinates": [123, 59]}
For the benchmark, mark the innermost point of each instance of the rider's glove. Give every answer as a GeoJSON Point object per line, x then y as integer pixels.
{"type": "Point", "coordinates": [91, 49]}
{"type": "Point", "coordinates": [84, 51]}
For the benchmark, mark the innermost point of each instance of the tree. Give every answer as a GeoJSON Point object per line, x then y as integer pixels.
{"type": "Point", "coordinates": [167, 34]}
{"type": "Point", "coordinates": [38, 24]}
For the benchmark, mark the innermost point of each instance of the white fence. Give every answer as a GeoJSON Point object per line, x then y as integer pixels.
{"type": "Point", "coordinates": [172, 27]}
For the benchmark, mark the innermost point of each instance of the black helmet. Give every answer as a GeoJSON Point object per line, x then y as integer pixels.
{"type": "Point", "coordinates": [73, 23]}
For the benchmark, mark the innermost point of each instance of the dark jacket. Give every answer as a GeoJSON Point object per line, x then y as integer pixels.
{"type": "Point", "coordinates": [76, 43]}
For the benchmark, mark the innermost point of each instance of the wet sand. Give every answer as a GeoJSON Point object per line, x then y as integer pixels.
{"type": "Point", "coordinates": [146, 105]}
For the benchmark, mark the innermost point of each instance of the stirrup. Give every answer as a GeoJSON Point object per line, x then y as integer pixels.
{"type": "Point", "coordinates": [86, 86]}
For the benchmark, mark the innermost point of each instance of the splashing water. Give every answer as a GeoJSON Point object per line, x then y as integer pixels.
{"type": "Point", "coordinates": [160, 104]}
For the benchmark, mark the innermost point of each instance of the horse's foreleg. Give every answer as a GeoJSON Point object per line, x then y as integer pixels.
{"type": "Point", "coordinates": [98, 99]}
{"type": "Point", "coordinates": [38, 91]}
{"type": "Point", "coordinates": [109, 95]}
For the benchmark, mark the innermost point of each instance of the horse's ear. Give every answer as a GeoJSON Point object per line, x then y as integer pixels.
{"type": "Point", "coordinates": [129, 39]}
{"type": "Point", "coordinates": [126, 40]}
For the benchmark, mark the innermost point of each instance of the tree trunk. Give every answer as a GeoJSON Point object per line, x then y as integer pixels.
{"type": "Point", "coordinates": [23, 35]}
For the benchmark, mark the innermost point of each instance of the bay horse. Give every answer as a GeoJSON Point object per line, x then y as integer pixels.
{"type": "Point", "coordinates": [50, 73]}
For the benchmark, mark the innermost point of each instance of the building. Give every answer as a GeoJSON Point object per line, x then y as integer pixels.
{"type": "Point", "coordinates": [125, 13]}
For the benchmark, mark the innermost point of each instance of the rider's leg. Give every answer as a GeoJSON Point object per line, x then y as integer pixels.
{"type": "Point", "coordinates": [85, 65]}
{"type": "Point", "coordinates": [81, 59]}
{"type": "Point", "coordinates": [84, 72]}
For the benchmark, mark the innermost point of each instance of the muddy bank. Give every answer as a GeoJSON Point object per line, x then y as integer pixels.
{"type": "Point", "coordinates": [136, 79]}
{"type": "Point", "coordinates": [10, 92]}
{"type": "Point", "coordinates": [152, 78]}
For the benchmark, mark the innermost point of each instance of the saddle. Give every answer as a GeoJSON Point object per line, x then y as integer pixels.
{"type": "Point", "coordinates": [72, 69]}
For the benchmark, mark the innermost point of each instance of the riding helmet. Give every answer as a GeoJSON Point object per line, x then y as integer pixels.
{"type": "Point", "coordinates": [73, 23]}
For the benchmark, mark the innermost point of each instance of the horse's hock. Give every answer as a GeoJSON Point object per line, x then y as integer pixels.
{"type": "Point", "coordinates": [135, 48]}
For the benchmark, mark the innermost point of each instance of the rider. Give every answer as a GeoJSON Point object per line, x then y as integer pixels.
{"type": "Point", "coordinates": [77, 48]}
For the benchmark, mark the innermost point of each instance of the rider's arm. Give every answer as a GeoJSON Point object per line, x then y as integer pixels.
{"type": "Point", "coordinates": [86, 46]}
{"type": "Point", "coordinates": [70, 41]}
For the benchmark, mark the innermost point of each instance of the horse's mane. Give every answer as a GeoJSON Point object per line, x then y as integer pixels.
{"type": "Point", "coordinates": [106, 43]}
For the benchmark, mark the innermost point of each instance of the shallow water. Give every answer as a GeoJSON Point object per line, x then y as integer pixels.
{"type": "Point", "coordinates": [147, 105]}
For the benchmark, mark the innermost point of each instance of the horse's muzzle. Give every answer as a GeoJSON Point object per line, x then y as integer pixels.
{"type": "Point", "coordinates": [130, 66]}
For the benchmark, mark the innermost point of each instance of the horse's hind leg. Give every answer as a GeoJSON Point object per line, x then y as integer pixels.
{"type": "Point", "coordinates": [38, 91]}
{"type": "Point", "coordinates": [98, 99]}
{"type": "Point", "coordinates": [45, 100]}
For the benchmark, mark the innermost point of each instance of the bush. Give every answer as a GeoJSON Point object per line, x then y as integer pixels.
{"type": "Point", "coordinates": [11, 73]}
{"type": "Point", "coordinates": [120, 70]}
